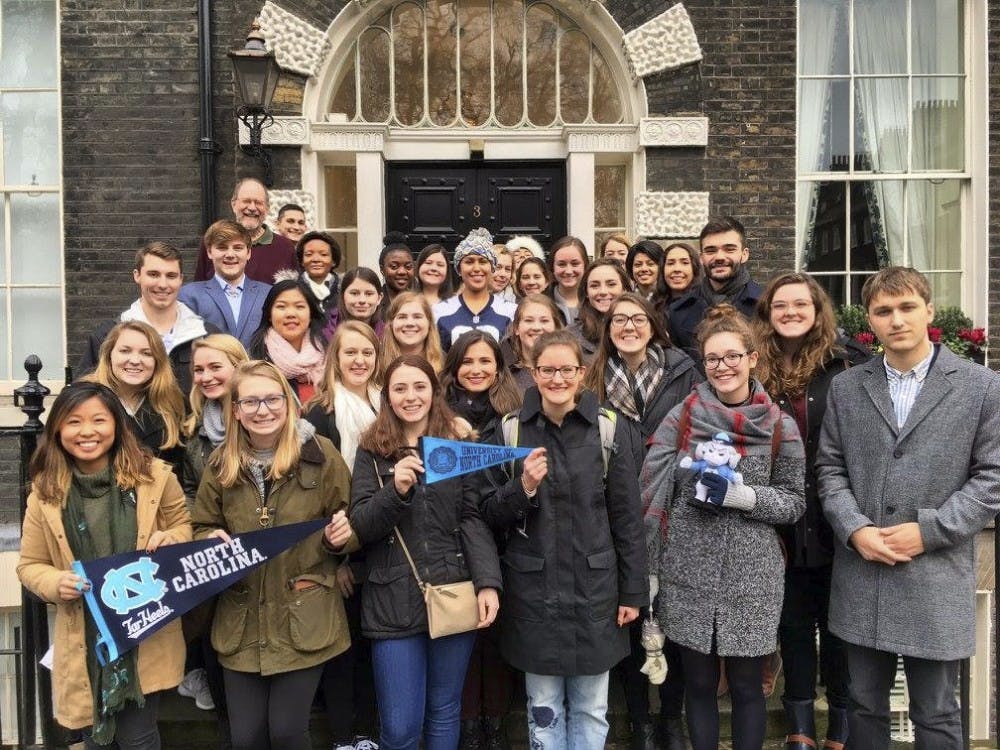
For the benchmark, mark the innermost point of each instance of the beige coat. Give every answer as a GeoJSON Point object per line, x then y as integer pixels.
{"type": "Point", "coordinates": [45, 556]}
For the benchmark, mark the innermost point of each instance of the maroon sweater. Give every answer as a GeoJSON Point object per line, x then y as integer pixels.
{"type": "Point", "coordinates": [270, 253]}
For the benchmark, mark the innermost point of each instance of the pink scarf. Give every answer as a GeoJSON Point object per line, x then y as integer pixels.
{"type": "Point", "coordinates": [304, 365]}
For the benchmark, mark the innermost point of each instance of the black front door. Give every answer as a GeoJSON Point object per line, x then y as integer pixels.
{"type": "Point", "coordinates": [442, 201]}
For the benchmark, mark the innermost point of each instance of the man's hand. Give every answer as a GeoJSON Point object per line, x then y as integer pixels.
{"type": "Point", "coordinates": [903, 539]}
{"type": "Point", "coordinates": [871, 546]}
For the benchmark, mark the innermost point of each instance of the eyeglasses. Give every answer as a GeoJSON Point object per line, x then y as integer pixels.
{"type": "Point", "coordinates": [251, 405]}
{"type": "Point", "coordinates": [731, 359]}
{"type": "Point", "coordinates": [797, 306]}
{"type": "Point", "coordinates": [568, 372]}
{"type": "Point", "coordinates": [639, 320]}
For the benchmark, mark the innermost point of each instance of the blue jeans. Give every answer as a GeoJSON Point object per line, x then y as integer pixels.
{"type": "Point", "coordinates": [585, 724]}
{"type": "Point", "coordinates": [418, 682]}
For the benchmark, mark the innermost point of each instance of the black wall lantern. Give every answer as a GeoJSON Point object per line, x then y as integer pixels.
{"type": "Point", "coordinates": [256, 73]}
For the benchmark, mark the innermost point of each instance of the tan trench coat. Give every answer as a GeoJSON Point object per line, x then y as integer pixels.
{"type": "Point", "coordinates": [45, 556]}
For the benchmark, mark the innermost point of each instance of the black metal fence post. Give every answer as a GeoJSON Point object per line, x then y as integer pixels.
{"type": "Point", "coordinates": [36, 683]}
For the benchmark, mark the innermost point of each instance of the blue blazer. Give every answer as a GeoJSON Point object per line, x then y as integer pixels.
{"type": "Point", "coordinates": [209, 300]}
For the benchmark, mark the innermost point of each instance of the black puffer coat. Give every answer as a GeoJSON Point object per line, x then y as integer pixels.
{"type": "Point", "coordinates": [575, 551]}
{"type": "Point", "coordinates": [809, 543]}
{"type": "Point", "coordinates": [443, 529]}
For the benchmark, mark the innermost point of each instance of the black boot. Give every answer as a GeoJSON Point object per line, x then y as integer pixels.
{"type": "Point", "coordinates": [496, 733]}
{"type": "Point", "coordinates": [643, 737]}
{"type": "Point", "coordinates": [836, 730]}
{"type": "Point", "coordinates": [801, 725]}
{"type": "Point", "coordinates": [471, 735]}
{"type": "Point", "coordinates": [671, 733]}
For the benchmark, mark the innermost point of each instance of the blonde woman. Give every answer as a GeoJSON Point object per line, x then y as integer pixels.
{"type": "Point", "coordinates": [272, 470]}
{"type": "Point", "coordinates": [410, 329]}
{"type": "Point", "coordinates": [133, 363]}
{"type": "Point", "coordinates": [536, 314]}
{"type": "Point", "coordinates": [503, 275]}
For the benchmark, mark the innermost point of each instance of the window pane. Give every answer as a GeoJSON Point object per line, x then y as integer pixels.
{"type": "Point", "coordinates": [442, 81]}
{"type": "Point", "coordinates": [821, 250]}
{"type": "Point", "coordinates": [508, 61]}
{"type": "Point", "coordinates": [823, 37]}
{"type": "Point", "coordinates": [542, 34]}
{"type": "Point", "coordinates": [946, 289]}
{"type": "Point", "coordinates": [938, 123]}
{"type": "Point", "coordinates": [37, 324]}
{"type": "Point", "coordinates": [28, 44]}
{"type": "Point", "coordinates": [35, 239]}
{"type": "Point", "coordinates": [341, 197]}
{"type": "Point", "coordinates": [474, 16]}
{"type": "Point", "coordinates": [574, 76]}
{"type": "Point", "coordinates": [344, 99]}
{"type": "Point", "coordinates": [834, 285]}
{"type": "Point", "coordinates": [934, 220]}
{"type": "Point", "coordinates": [937, 36]}
{"type": "Point", "coordinates": [881, 124]}
{"type": "Point", "coordinates": [349, 245]}
{"type": "Point", "coordinates": [609, 197]}
{"type": "Point", "coordinates": [408, 51]}
{"type": "Point", "coordinates": [606, 105]}
{"type": "Point", "coordinates": [374, 75]}
{"type": "Point", "coordinates": [824, 116]}
{"type": "Point", "coordinates": [880, 36]}
{"type": "Point", "coordinates": [29, 125]}
{"type": "Point", "coordinates": [876, 224]}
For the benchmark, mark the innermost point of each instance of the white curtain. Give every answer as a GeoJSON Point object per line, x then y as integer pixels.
{"type": "Point", "coordinates": [882, 111]}
{"type": "Point", "coordinates": [821, 23]}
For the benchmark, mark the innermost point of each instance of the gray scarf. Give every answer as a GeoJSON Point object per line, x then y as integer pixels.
{"type": "Point", "coordinates": [213, 425]}
{"type": "Point", "coordinates": [728, 291]}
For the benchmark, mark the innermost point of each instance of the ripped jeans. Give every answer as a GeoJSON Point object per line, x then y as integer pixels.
{"type": "Point", "coordinates": [567, 713]}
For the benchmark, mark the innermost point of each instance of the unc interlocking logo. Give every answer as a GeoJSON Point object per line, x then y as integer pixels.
{"type": "Point", "coordinates": [442, 460]}
{"type": "Point", "coordinates": [132, 586]}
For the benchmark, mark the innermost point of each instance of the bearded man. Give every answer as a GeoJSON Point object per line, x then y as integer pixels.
{"type": "Point", "coordinates": [725, 278]}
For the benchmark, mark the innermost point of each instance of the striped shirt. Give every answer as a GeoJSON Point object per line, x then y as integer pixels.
{"type": "Point", "coordinates": [904, 387]}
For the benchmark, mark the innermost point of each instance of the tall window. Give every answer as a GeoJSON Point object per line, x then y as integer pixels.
{"type": "Point", "coordinates": [882, 166]}
{"type": "Point", "coordinates": [476, 63]}
{"type": "Point", "coordinates": [31, 308]}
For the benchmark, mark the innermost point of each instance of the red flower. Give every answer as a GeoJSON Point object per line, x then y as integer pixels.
{"type": "Point", "coordinates": [934, 334]}
{"type": "Point", "coordinates": [975, 336]}
{"type": "Point", "coordinates": [864, 337]}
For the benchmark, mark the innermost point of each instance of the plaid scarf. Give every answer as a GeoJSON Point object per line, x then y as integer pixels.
{"type": "Point", "coordinates": [630, 392]}
{"type": "Point", "coordinates": [697, 419]}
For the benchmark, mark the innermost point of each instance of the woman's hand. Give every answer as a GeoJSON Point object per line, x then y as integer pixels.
{"type": "Point", "coordinates": [489, 607]}
{"type": "Point", "coordinates": [405, 473]}
{"type": "Point", "coordinates": [221, 534]}
{"type": "Point", "coordinates": [536, 466]}
{"type": "Point", "coordinates": [159, 539]}
{"type": "Point", "coordinates": [338, 531]}
{"type": "Point", "coordinates": [71, 587]}
{"type": "Point", "coordinates": [345, 580]}
{"type": "Point", "coordinates": [627, 615]}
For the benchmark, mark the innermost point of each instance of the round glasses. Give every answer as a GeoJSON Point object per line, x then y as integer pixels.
{"type": "Point", "coordinates": [639, 320]}
{"type": "Point", "coordinates": [732, 359]}
{"type": "Point", "coordinates": [251, 405]}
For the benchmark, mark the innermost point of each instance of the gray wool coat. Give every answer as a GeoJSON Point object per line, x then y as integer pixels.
{"type": "Point", "coordinates": [723, 573]}
{"type": "Point", "coordinates": [940, 470]}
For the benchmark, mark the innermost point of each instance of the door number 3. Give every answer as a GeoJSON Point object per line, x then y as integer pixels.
{"type": "Point", "coordinates": [477, 211]}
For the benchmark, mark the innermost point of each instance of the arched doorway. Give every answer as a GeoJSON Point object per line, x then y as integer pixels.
{"type": "Point", "coordinates": [479, 83]}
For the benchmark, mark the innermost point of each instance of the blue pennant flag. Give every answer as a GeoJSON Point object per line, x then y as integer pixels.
{"type": "Point", "coordinates": [444, 459]}
{"type": "Point", "coordinates": [134, 594]}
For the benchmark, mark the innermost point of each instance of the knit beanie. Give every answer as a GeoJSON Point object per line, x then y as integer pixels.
{"type": "Point", "coordinates": [478, 242]}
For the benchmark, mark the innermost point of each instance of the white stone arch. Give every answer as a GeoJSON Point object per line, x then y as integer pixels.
{"type": "Point", "coordinates": [666, 41]}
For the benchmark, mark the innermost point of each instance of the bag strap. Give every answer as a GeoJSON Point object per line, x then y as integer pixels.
{"type": "Point", "coordinates": [684, 423]}
{"type": "Point", "coordinates": [399, 535]}
{"type": "Point", "coordinates": [776, 438]}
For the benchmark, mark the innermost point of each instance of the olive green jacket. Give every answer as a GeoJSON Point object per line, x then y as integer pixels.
{"type": "Point", "coordinates": [263, 623]}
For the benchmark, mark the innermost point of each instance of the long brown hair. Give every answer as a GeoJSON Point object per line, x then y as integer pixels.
{"type": "Point", "coordinates": [818, 345]}
{"type": "Point", "coordinates": [386, 436]}
{"type": "Point", "coordinates": [591, 321]}
{"type": "Point", "coordinates": [505, 396]}
{"type": "Point", "coordinates": [657, 335]}
{"type": "Point", "coordinates": [164, 394]}
{"type": "Point", "coordinates": [51, 468]}
{"type": "Point", "coordinates": [389, 349]}
{"type": "Point", "coordinates": [531, 299]}
{"type": "Point", "coordinates": [235, 452]}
